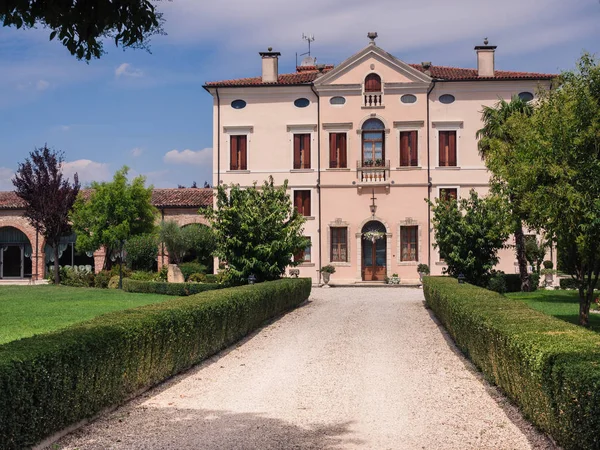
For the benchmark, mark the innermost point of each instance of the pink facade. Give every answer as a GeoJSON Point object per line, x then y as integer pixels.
{"type": "Point", "coordinates": [356, 142]}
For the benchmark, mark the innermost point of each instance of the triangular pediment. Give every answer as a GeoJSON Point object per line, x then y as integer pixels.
{"type": "Point", "coordinates": [372, 59]}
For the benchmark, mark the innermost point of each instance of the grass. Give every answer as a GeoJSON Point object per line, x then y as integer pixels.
{"type": "Point", "coordinates": [563, 305]}
{"type": "Point", "coordinates": [29, 310]}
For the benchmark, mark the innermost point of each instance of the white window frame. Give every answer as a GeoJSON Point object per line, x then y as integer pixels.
{"type": "Point", "coordinates": [312, 215]}
{"type": "Point", "coordinates": [419, 130]}
{"type": "Point", "coordinates": [440, 187]}
{"type": "Point", "coordinates": [409, 222]}
{"type": "Point", "coordinates": [238, 131]}
{"type": "Point", "coordinates": [447, 126]}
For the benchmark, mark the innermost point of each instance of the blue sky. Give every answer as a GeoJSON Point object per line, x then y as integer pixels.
{"type": "Point", "coordinates": [150, 112]}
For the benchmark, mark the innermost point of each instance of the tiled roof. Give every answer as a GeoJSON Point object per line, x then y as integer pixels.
{"type": "Point", "coordinates": [161, 198]}
{"type": "Point", "coordinates": [306, 75]}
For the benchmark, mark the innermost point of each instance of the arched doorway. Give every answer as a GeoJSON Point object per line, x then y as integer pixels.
{"type": "Point", "coordinates": [374, 251]}
{"type": "Point", "coordinates": [15, 254]}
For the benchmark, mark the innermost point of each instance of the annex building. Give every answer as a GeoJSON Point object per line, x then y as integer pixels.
{"type": "Point", "coordinates": [362, 146]}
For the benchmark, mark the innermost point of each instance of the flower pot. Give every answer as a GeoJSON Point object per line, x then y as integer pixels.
{"type": "Point", "coordinates": [549, 279]}
{"type": "Point", "coordinates": [326, 276]}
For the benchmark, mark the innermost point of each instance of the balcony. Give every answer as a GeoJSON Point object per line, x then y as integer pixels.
{"type": "Point", "coordinates": [373, 100]}
{"type": "Point", "coordinates": [373, 172]}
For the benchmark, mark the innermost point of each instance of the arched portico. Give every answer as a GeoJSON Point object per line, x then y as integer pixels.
{"type": "Point", "coordinates": [21, 251]}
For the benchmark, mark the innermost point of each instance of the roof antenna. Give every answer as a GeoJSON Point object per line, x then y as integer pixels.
{"type": "Point", "coordinates": [309, 60]}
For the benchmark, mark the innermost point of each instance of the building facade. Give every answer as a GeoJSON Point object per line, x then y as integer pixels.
{"type": "Point", "coordinates": [362, 146]}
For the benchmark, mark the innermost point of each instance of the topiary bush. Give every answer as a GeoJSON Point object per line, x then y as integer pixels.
{"type": "Point", "coordinates": [51, 381]}
{"type": "Point", "coordinates": [549, 367]}
{"type": "Point", "coordinates": [114, 282]}
{"type": "Point", "coordinates": [158, 287]}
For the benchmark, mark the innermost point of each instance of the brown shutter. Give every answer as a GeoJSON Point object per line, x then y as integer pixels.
{"type": "Point", "coordinates": [404, 150]}
{"type": "Point", "coordinates": [452, 148]}
{"type": "Point", "coordinates": [233, 158]}
{"type": "Point", "coordinates": [298, 201]}
{"type": "Point", "coordinates": [307, 203]}
{"type": "Point", "coordinates": [242, 150]}
{"type": "Point", "coordinates": [306, 151]}
{"type": "Point", "coordinates": [297, 162]}
{"type": "Point", "coordinates": [414, 149]}
{"type": "Point", "coordinates": [443, 136]}
{"type": "Point", "coordinates": [342, 158]}
{"type": "Point", "coordinates": [372, 83]}
{"type": "Point", "coordinates": [333, 143]}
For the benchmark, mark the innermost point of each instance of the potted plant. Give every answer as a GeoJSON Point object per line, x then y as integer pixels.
{"type": "Point", "coordinates": [368, 163]}
{"type": "Point", "coordinates": [422, 269]}
{"type": "Point", "coordinates": [394, 279]}
{"type": "Point", "coordinates": [548, 272]}
{"type": "Point", "coordinates": [379, 162]}
{"type": "Point", "coordinates": [326, 271]}
{"type": "Point", "coordinates": [373, 235]}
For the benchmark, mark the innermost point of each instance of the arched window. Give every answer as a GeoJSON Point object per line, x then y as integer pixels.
{"type": "Point", "coordinates": [373, 83]}
{"type": "Point", "coordinates": [373, 143]}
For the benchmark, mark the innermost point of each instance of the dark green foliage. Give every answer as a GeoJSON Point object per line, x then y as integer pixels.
{"type": "Point", "coordinates": [159, 287]}
{"type": "Point", "coordinates": [569, 283]}
{"type": "Point", "coordinates": [497, 283]}
{"type": "Point", "coordinates": [549, 367]}
{"type": "Point", "coordinates": [191, 267]}
{"type": "Point", "coordinates": [77, 278]}
{"type": "Point", "coordinates": [102, 278]}
{"type": "Point", "coordinates": [512, 281]}
{"type": "Point", "coordinates": [197, 278]}
{"type": "Point", "coordinates": [51, 381]}
{"type": "Point", "coordinates": [141, 251]}
{"type": "Point", "coordinates": [141, 275]}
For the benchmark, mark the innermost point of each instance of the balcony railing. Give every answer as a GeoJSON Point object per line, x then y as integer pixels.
{"type": "Point", "coordinates": [372, 99]}
{"type": "Point", "coordinates": [370, 171]}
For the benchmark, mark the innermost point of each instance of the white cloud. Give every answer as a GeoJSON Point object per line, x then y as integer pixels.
{"type": "Point", "coordinates": [127, 70]}
{"type": "Point", "coordinates": [137, 151]}
{"type": "Point", "coordinates": [188, 156]}
{"type": "Point", "coordinates": [87, 170]}
{"type": "Point", "coordinates": [6, 176]}
{"type": "Point", "coordinates": [42, 85]}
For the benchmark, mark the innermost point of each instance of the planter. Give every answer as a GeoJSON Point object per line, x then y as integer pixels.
{"type": "Point", "coordinates": [326, 276]}
{"type": "Point", "coordinates": [394, 280]}
{"type": "Point", "coordinates": [421, 276]}
{"type": "Point", "coordinates": [549, 278]}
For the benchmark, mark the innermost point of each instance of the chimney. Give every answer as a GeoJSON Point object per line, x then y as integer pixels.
{"type": "Point", "coordinates": [426, 67]}
{"type": "Point", "coordinates": [270, 66]}
{"type": "Point", "coordinates": [485, 59]}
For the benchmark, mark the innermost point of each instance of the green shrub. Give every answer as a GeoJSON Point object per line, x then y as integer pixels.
{"type": "Point", "coordinates": [535, 281]}
{"type": "Point", "coordinates": [114, 282]}
{"type": "Point", "coordinates": [568, 283]}
{"type": "Point", "coordinates": [115, 270]}
{"type": "Point", "coordinates": [197, 278]}
{"type": "Point", "coordinates": [191, 267]}
{"type": "Point", "coordinates": [159, 287]}
{"type": "Point", "coordinates": [497, 283]}
{"type": "Point", "coordinates": [142, 251]}
{"type": "Point", "coordinates": [142, 275]}
{"type": "Point", "coordinates": [211, 278]}
{"type": "Point", "coordinates": [101, 280]}
{"type": "Point", "coordinates": [51, 381]}
{"type": "Point", "coordinates": [549, 367]}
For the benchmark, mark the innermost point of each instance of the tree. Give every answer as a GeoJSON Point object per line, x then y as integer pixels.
{"type": "Point", "coordinates": [114, 212]}
{"type": "Point", "coordinates": [496, 146]}
{"type": "Point", "coordinates": [193, 242]}
{"type": "Point", "coordinates": [175, 240]}
{"type": "Point", "coordinates": [256, 230]}
{"type": "Point", "coordinates": [558, 155]}
{"type": "Point", "coordinates": [535, 251]}
{"type": "Point", "coordinates": [141, 251]}
{"type": "Point", "coordinates": [48, 196]}
{"type": "Point", "coordinates": [469, 234]}
{"type": "Point", "coordinates": [81, 26]}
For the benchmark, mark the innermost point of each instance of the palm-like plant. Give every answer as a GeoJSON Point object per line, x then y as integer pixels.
{"type": "Point", "coordinates": [494, 130]}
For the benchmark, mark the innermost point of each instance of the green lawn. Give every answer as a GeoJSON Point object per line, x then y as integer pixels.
{"type": "Point", "coordinates": [563, 305]}
{"type": "Point", "coordinates": [29, 310]}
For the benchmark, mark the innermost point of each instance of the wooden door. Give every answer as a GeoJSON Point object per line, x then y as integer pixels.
{"type": "Point", "coordinates": [374, 260]}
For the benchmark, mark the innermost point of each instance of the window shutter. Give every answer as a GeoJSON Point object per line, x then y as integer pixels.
{"type": "Point", "coordinates": [242, 151]}
{"type": "Point", "coordinates": [298, 201]}
{"type": "Point", "coordinates": [297, 161]}
{"type": "Point", "coordinates": [342, 158]}
{"type": "Point", "coordinates": [443, 136]}
{"type": "Point", "coordinates": [306, 209]}
{"type": "Point", "coordinates": [306, 151]}
{"type": "Point", "coordinates": [233, 156]}
{"type": "Point", "coordinates": [414, 149]}
{"type": "Point", "coordinates": [452, 148]}
{"type": "Point", "coordinates": [404, 149]}
{"type": "Point", "coordinates": [373, 83]}
{"type": "Point", "coordinates": [333, 145]}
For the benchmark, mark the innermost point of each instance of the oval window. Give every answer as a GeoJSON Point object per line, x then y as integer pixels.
{"type": "Point", "coordinates": [526, 96]}
{"type": "Point", "coordinates": [238, 104]}
{"type": "Point", "coordinates": [337, 100]}
{"type": "Point", "coordinates": [447, 99]}
{"type": "Point", "coordinates": [301, 103]}
{"type": "Point", "coordinates": [408, 98]}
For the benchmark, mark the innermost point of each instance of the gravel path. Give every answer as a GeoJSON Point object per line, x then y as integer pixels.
{"type": "Point", "coordinates": [353, 368]}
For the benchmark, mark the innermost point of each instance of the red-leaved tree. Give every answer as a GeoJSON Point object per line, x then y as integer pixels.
{"type": "Point", "coordinates": [49, 197]}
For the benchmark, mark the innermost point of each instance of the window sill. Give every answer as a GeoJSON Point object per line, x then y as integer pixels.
{"type": "Point", "coordinates": [408, 263]}
{"type": "Point", "coordinates": [409, 168]}
{"type": "Point", "coordinates": [440, 263]}
{"type": "Point", "coordinates": [372, 107]}
{"type": "Point", "coordinates": [306, 264]}
{"type": "Point", "coordinates": [340, 264]}
{"type": "Point", "coordinates": [448, 167]}
{"type": "Point", "coordinates": [309, 217]}
{"type": "Point", "coordinates": [237, 171]}
{"type": "Point", "coordinates": [338, 169]}
{"type": "Point", "coordinates": [301, 170]}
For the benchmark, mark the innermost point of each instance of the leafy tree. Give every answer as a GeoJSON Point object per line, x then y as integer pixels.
{"type": "Point", "coordinates": [81, 26]}
{"type": "Point", "coordinates": [202, 245]}
{"type": "Point", "coordinates": [114, 212]}
{"type": "Point", "coordinates": [141, 251]}
{"type": "Point", "coordinates": [558, 162]}
{"type": "Point", "coordinates": [535, 251]}
{"type": "Point", "coordinates": [256, 230]}
{"type": "Point", "coordinates": [496, 145]}
{"type": "Point", "coordinates": [469, 234]}
{"type": "Point", "coordinates": [174, 238]}
{"type": "Point", "coordinates": [49, 197]}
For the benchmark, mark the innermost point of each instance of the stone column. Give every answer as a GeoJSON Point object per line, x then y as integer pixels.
{"type": "Point", "coordinates": [99, 256]}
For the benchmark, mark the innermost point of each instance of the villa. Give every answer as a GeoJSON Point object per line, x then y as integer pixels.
{"type": "Point", "coordinates": [362, 146]}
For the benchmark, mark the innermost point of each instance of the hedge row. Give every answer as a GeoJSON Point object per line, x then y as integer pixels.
{"type": "Point", "coordinates": [549, 367]}
{"type": "Point", "coordinates": [160, 287]}
{"type": "Point", "coordinates": [513, 281]}
{"type": "Point", "coordinates": [568, 283]}
{"type": "Point", "coordinates": [51, 381]}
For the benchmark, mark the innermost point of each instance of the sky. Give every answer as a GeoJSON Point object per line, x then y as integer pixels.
{"type": "Point", "coordinates": [149, 111]}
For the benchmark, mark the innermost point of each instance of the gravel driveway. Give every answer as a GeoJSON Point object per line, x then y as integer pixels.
{"type": "Point", "coordinates": [352, 368]}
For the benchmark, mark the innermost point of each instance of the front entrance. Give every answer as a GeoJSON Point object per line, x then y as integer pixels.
{"type": "Point", "coordinates": [374, 251]}
{"type": "Point", "coordinates": [15, 254]}
{"type": "Point", "coordinates": [12, 261]}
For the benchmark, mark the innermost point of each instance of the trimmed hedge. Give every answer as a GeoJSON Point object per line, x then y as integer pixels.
{"type": "Point", "coordinates": [513, 281]}
{"type": "Point", "coordinates": [568, 283]}
{"type": "Point", "coordinates": [51, 381]}
{"type": "Point", "coordinates": [549, 367]}
{"type": "Point", "coordinates": [161, 287]}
